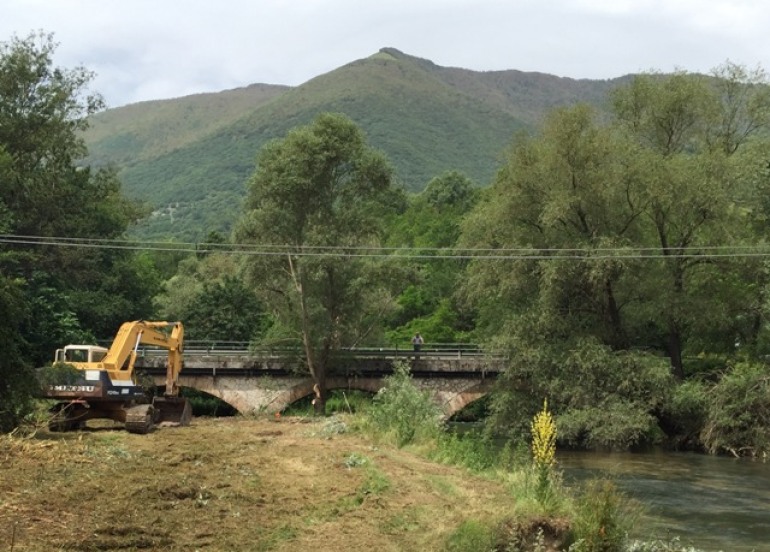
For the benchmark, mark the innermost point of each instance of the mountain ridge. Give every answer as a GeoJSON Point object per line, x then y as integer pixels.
{"type": "Point", "coordinates": [190, 157]}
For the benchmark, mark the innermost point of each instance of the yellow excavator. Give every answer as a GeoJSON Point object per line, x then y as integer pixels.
{"type": "Point", "coordinates": [105, 384]}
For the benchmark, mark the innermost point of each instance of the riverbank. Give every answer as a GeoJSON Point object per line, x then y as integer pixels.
{"type": "Point", "coordinates": [234, 484]}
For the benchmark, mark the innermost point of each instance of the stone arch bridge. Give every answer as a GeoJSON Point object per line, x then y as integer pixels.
{"type": "Point", "coordinates": [266, 383]}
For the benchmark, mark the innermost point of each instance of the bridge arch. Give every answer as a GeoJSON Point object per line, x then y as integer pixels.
{"type": "Point", "coordinates": [459, 401]}
{"type": "Point", "coordinates": [269, 394]}
{"type": "Point", "coordinates": [304, 389]}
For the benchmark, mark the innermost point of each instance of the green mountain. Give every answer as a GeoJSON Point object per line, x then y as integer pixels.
{"type": "Point", "coordinates": [190, 158]}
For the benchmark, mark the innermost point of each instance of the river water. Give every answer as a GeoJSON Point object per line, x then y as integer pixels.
{"type": "Point", "coordinates": [712, 503]}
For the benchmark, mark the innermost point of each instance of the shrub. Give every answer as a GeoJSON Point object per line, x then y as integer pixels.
{"type": "Point", "coordinates": [338, 400]}
{"type": "Point", "coordinates": [401, 408]}
{"type": "Point", "coordinates": [613, 424]}
{"type": "Point", "coordinates": [475, 450]}
{"type": "Point", "coordinates": [603, 518]}
{"type": "Point", "coordinates": [58, 373]}
{"type": "Point", "coordinates": [603, 398]}
{"type": "Point", "coordinates": [738, 415]}
{"type": "Point", "coordinates": [684, 415]}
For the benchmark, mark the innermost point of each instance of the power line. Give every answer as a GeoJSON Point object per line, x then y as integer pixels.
{"type": "Point", "coordinates": [398, 253]}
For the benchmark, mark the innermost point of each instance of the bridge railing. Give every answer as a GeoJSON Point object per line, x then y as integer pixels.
{"type": "Point", "coordinates": [223, 348]}
{"type": "Point", "coordinates": [426, 350]}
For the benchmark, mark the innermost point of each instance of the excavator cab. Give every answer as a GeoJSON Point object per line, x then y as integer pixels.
{"type": "Point", "coordinates": [74, 354]}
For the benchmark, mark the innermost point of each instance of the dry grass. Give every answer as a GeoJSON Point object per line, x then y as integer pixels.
{"type": "Point", "coordinates": [231, 484]}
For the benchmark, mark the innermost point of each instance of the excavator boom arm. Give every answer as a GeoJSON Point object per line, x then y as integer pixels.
{"type": "Point", "coordinates": [120, 358]}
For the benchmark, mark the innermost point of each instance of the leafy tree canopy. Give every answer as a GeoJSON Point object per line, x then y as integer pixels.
{"type": "Point", "coordinates": [56, 293]}
{"type": "Point", "coordinates": [432, 221]}
{"type": "Point", "coordinates": [619, 221]}
{"type": "Point", "coordinates": [317, 196]}
{"type": "Point", "coordinates": [212, 300]}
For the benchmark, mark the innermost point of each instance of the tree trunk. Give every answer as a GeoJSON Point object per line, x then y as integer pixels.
{"type": "Point", "coordinates": [675, 350]}
{"type": "Point", "coordinates": [317, 368]}
{"type": "Point", "coordinates": [319, 399]}
{"type": "Point", "coordinates": [677, 268]}
{"type": "Point", "coordinates": [674, 327]}
{"type": "Point", "coordinates": [618, 335]}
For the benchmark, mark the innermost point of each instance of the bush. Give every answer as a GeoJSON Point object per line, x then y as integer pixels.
{"type": "Point", "coordinates": [338, 400]}
{"type": "Point", "coordinates": [17, 380]}
{"type": "Point", "coordinates": [615, 424]}
{"type": "Point", "coordinates": [685, 413]}
{"type": "Point", "coordinates": [402, 409]}
{"type": "Point", "coordinates": [476, 451]}
{"type": "Point", "coordinates": [603, 519]}
{"type": "Point", "coordinates": [602, 398]}
{"type": "Point", "coordinates": [16, 395]}
{"type": "Point", "coordinates": [738, 415]}
{"type": "Point", "coordinates": [58, 373]}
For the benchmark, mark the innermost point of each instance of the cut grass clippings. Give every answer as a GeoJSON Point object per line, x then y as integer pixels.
{"type": "Point", "coordinates": [233, 484]}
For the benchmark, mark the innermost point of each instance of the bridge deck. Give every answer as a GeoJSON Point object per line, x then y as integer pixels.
{"type": "Point", "coordinates": [368, 362]}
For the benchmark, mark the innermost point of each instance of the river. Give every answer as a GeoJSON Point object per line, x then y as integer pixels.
{"type": "Point", "coordinates": [712, 503]}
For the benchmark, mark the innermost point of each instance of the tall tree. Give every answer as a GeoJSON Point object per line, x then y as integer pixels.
{"type": "Point", "coordinates": [316, 196]}
{"type": "Point", "coordinates": [65, 292]}
{"type": "Point", "coordinates": [576, 187]}
{"type": "Point", "coordinates": [619, 221]}
{"type": "Point", "coordinates": [46, 192]}
{"type": "Point", "coordinates": [565, 206]}
{"type": "Point", "coordinates": [43, 110]}
{"type": "Point", "coordinates": [669, 176]}
{"type": "Point", "coordinates": [690, 127]}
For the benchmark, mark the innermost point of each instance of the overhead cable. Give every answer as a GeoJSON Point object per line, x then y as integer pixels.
{"type": "Point", "coordinates": [396, 253]}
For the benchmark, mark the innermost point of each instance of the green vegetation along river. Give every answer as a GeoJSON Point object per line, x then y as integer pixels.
{"type": "Point", "coordinates": [712, 503]}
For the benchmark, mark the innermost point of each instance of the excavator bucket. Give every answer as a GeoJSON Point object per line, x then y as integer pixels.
{"type": "Point", "coordinates": [172, 411]}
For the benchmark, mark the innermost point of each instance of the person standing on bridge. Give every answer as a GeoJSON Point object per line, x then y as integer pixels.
{"type": "Point", "coordinates": [417, 342]}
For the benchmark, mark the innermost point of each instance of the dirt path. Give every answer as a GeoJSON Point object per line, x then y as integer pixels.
{"type": "Point", "coordinates": [231, 484]}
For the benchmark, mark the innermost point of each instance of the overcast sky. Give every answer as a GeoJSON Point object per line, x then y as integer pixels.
{"type": "Point", "coordinates": [156, 49]}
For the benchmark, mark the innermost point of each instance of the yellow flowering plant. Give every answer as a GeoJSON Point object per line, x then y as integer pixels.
{"type": "Point", "coordinates": [543, 450]}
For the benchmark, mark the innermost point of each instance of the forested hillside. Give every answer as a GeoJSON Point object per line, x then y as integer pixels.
{"type": "Point", "coordinates": [189, 158]}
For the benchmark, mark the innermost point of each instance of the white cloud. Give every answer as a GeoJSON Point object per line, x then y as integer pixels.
{"type": "Point", "coordinates": [145, 49]}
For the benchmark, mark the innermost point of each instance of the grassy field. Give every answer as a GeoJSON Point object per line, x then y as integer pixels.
{"type": "Point", "coordinates": [235, 484]}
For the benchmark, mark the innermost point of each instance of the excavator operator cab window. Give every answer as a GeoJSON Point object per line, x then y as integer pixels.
{"type": "Point", "coordinates": [87, 353]}
{"type": "Point", "coordinates": [76, 355]}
